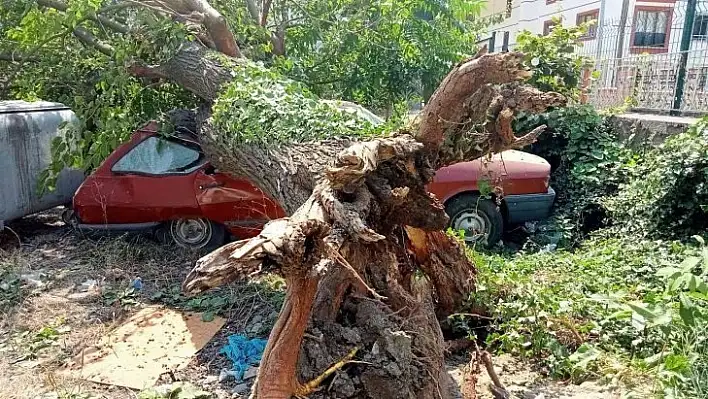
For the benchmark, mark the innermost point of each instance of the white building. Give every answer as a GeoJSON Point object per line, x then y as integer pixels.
{"type": "Point", "coordinates": [635, 44]}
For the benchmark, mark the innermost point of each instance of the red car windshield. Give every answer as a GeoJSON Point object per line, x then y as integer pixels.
{"type": "Point", "coordinates": [158, 156]}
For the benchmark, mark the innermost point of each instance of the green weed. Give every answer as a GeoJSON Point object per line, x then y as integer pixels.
{"type": "Point", "coordinates": [611, 308]}
{"type": "Point", "coordinates": [268, 289]}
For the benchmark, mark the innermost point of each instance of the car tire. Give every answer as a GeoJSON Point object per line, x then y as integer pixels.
{"type": "Point", "coordinates": [196, 233]}
{"type": "Point", "coordinates": [473, 214]}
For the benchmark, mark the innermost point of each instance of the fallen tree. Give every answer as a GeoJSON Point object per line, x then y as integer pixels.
{"type": "Point", "coordinates": [368, 267]}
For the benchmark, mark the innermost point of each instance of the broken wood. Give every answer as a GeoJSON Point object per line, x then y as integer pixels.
{"type": "Point", "coordinates": [364, 241]}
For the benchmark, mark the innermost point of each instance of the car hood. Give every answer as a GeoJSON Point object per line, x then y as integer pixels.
{"type": "Point", "coordinates": [511, 162]}
{"type": "Point", "coordinates": [524, 165]}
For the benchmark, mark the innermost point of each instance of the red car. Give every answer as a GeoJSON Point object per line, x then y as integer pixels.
{"type": "Point", "coordinates": [166, 185]}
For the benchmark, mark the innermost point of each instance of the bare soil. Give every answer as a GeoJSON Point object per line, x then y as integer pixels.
{"type": "Point", "coordinates": [524, 381]}
{"type": "Point", "coordinates": [43, 265]}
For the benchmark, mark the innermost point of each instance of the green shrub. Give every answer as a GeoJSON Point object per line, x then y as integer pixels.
{"type": "Point", "coordinates": [613, 308]}
{"type": "Point", "coordinates": [261, 106]}
{"type": "Point", "coordinates": [667, 191]}
{"type": "Point", "coordinates": [585, 155]}
{"type": "Point", "coordinates": [552, 58]}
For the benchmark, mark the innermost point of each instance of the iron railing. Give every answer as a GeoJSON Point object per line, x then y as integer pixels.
{"type": "Point", "coordinates": [653, 59]}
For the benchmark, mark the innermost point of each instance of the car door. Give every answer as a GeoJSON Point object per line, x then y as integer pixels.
{"type": "Point", "coordinates": [153, 182]}
{"type": "Point", "coordinates": [235, 202]}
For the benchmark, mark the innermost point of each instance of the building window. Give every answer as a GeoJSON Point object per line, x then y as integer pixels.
{"type": "Point", "coordinates": [588, 17]}
{"type": "Point", "coordinates": [548, 27]}
{"type": "Point", "coordinates": [651, 28]}
{"type": "Point", "coordinates": [700, 27]}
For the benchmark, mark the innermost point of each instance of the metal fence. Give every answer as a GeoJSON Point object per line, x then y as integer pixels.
{"type": "Point", "coordinates": [652, 59]}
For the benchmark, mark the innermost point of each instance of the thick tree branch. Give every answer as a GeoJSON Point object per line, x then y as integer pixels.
{"type": "Point", "coordinates": [98, 18]}
{"type": "Point", "coordinates": [217, 27]}
{"type": "Point", "coordinates": [265, 9]}
{"type": "Point", "coordinates": [17, 57]}
{"type": "Point", "coordinates": [253, 10]}
{"type": "Point", "coordinates": [193, 67]}
{"type": "Point", "coordinates": [444, 112]}
{"type": "Point", "coordinates": [488, 127]}
{"type": "Point", "coordinates": [90, 40]}
{"type": "Point", "coordinates": [278, 40]}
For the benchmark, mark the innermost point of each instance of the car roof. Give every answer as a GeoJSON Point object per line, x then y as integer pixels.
{"type": "Point", "coordinates": [15, 106]}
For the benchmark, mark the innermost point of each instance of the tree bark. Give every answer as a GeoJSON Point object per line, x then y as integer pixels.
{"type": "Point", "coordinates": [265, 9]}
{"type": "Point", "coordinates": [194, 67]}
{"type": "Point", "coordinates": [216, 25]}
{"type": "Point", "coordinates": [362, 226]}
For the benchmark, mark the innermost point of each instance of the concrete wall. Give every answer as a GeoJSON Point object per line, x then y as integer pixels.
{"type": "Point", "coordinates": [646, 130]}
{"type": "Point", "coordinates": [494, 7]}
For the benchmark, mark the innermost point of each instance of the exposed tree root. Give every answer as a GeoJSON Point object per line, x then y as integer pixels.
{"type": "Point", "coordinates": [310, 387]}
{"type": "Point", "coordinates": [364, 257]}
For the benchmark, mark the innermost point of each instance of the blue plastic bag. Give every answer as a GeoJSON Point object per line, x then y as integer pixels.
{"type": "Point", "coordinates": [243, 352]}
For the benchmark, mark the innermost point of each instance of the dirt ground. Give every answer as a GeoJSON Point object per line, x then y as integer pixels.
{"type": "Point", "coordinates": [61, 291]}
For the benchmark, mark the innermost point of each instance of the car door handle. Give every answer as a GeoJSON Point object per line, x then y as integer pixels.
{"type": "Point", "coordinates": [211, 185]}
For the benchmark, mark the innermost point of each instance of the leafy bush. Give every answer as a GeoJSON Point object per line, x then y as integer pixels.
{"type": "Point", "coordinates": [586, 157]}
{"type": "Point", "coordinates": [667, 191]}
{"type": "Point", "coordinates": [614, 307]}
{"type": "Point", "coordinates": [261, 106]}
{"type": "Point", "coordinates": [552, 58]}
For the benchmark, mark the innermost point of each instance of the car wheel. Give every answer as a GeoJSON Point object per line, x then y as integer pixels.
{"type": "Point", "coordinates": [479, 218]}
{"type": "Point", "coordinates": [196, 233]}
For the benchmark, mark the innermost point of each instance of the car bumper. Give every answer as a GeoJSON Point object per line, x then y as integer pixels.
{"type": "Point", "coordinates": [528, 207]}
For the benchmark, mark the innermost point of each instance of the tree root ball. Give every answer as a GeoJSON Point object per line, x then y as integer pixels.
{"type": "Point", "coordinates": [390, 364]}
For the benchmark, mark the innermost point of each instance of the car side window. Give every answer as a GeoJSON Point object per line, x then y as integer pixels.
{"type": "Point", "coordinates": [157, 156]}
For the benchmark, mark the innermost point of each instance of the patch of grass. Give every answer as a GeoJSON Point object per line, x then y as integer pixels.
{"type": "Point", "coordinates": [65, 391]}
{"type": "Point", "coordinates": [178, 390]}
{"type": "Point", "coordinates": [11, 291]}
{"type": "Point", "coordinates": [610, 309]}
{"type": "Point", "coordinates": [30, 344]}
{"type": "Point", "coordinates": [125, 298]}
{"type": "Point", "coordinates": [268, 289]}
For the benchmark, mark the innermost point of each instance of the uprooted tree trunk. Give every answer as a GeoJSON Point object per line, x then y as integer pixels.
{"type": "Point", "coordinates": [368, 268]}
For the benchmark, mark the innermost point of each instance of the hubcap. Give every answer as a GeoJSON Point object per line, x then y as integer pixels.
{"type": "Point", "coordinates": [475, 226]}
{"type": "Point", "coordinates": [191, 233]}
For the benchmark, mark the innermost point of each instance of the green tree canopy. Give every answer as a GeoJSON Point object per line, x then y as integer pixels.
{"type": "Point", "coordinates": [78, 52]}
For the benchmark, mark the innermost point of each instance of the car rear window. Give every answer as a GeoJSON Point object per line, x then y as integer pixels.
{"type": "Point", "coordinates": [157, 156]}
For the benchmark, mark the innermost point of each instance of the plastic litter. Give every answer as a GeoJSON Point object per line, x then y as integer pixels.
{"type": "Point", "coordinates": [243, 353]}
{"type": "Point", "coordinates": [137, 284]}
{"type": "Point", "coordinates": [88, 285]}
